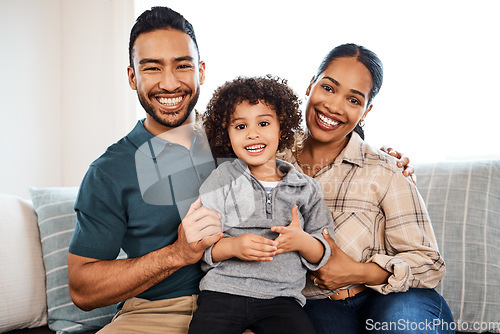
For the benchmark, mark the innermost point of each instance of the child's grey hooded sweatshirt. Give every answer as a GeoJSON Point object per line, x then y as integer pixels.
{"type": "Point", "coordinates": [246, 207]}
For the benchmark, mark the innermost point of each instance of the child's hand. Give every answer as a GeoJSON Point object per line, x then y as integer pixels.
{"type": "Point", "coordinates": [252, 247]}
{"type": "Point", "coordinates": [292, 237]}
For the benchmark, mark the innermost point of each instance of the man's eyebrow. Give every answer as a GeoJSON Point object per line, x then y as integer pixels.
{"type": "Point", "coordinates": [160, 61]}
{"type": "Point", "coordinates": [354, 91]}
{"type": "Point", "coordinates": [184, 58]}
{"type": "Point", "coordinates": [150, 60]}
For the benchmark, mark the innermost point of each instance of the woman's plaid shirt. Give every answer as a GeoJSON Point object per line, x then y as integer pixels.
{"type": "Point", "coordinates": [379, 217]}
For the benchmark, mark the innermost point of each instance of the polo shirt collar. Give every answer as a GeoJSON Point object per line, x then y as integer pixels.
{"type": "Point", "coordinates": [139, 136]}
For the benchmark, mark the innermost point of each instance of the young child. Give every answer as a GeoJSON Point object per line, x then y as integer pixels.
{"type": "Point", "coordinates": [272, 216]}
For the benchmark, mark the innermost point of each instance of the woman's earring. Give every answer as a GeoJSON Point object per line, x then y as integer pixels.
{"type": "Point", "coordinates": [361, 123]}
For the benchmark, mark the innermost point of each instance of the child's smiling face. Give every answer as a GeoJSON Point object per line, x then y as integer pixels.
{"type": "Point", "coordinates": [254, 132]}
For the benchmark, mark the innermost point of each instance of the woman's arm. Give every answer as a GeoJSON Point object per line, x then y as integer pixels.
{"type": "Point", "coordinates": [412, 256]}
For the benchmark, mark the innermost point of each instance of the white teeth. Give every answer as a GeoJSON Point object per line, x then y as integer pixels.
{"type": "Point", "coordinates": [255, 148]}
{"type": "Point", "coordinates": [170, 101]}
{"type": "Point", "coordinates": [326, 120]}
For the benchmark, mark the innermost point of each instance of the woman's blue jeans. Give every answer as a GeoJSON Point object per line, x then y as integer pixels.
{"type": "Point", "coordinates": [413, 311]}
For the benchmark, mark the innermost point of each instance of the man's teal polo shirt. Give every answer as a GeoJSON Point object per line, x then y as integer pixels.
{"type": "Point", "coordinates": [133, 198]}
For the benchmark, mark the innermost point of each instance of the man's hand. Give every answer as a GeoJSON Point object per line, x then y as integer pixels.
{"type": "Point", "coordinates": [403, 162]}
{"type": "Point", "coordinates": [200, 222]}
{"type": "Point", "coordinates": [200, 229]}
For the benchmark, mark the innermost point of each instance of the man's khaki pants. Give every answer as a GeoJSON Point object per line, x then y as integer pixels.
{"type": "Point", "coordinates": [160, 316]}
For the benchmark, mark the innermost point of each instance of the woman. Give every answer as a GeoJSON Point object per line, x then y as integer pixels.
{"type": "Point", "coordinates": [385, 261]}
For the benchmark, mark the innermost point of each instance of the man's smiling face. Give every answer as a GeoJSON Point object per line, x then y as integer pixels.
{"type": "Point", "coordinates": [167, 76]}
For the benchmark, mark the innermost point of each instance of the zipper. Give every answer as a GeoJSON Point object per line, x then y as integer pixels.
{"type": "Point", "coordinates": [269, 206]}
{"type": "Point", "coordinates": [268, 196]}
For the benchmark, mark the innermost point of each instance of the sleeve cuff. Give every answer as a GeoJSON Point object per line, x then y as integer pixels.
{"type": "Point", "coordinates": [207, 259]}
{"type": "Point", "coordinates": [400, 270]}
{"type": "Point", "coordinates": [324, 259]}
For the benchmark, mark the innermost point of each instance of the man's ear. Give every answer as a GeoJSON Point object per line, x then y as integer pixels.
{"type": "Point", "coordinates": [131, 78]}
{"type": "Point", "coordinates": [202, 72]}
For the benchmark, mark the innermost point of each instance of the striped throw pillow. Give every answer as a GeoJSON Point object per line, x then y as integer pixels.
{"type": "Point", "coordinates": [56, 221]}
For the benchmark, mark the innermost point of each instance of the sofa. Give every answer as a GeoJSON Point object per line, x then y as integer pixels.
{"type": "Point", "coordinates": [463, 199]}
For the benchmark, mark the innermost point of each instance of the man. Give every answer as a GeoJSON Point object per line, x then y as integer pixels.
{"type": "Point", "coordinates": [159, 279]}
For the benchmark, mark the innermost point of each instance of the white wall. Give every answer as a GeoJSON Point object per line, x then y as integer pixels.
{"type": "Point", "coordinates": [64, 95]}
{"type": "Point", "coordinates": [441, 67]}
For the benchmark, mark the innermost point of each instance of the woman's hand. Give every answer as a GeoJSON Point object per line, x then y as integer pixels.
{"type": "Point", "coordinates": [339, 271]}
{"type": "Point", "coordinates": [403, 161]}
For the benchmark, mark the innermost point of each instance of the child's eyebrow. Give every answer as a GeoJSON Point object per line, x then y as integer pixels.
{"type": "Point", "coordinates": [237, 119]}
{"type": "Point", "coordinates": [265, 115]}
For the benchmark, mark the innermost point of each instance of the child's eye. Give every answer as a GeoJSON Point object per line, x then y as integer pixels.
{"type": "Point", "coordinates": [263, 123]}
{"type": "Point", "coordinates": [240, 126]}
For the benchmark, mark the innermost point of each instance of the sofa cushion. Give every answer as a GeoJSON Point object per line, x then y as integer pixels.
{"type": "Point", "coordinates": [56, 221]}
{"type": "Point", "coordinates": [463, 200]}
{"type": "Point", "coordinates": [22, 275]}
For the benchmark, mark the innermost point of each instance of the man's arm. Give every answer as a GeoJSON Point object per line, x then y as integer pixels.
{"type": "Point", "coordinates": [96, 283]}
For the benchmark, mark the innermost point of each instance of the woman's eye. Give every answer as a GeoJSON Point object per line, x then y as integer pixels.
{"type": "Point", "coordinates": [263, 123]}
{"type": "Point", "coordinates": [240, 126]}
{"type": "Point", "coordinates": [354, 101]}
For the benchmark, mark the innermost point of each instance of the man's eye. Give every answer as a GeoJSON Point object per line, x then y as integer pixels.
{"type": "Point", "coordinates": [240, 126]}
{"type": "Point", "coordinates": [327, 88]}
{"type": "Point", "coordinates": [151, 69]}
{"type": "Point", "coordinates": [263, 123]}
{"type": "Point", "coordinates": [184, 66]}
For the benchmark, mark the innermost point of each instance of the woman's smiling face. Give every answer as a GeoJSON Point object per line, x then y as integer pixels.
{"type": "Point", "coordinates": [338, 100]}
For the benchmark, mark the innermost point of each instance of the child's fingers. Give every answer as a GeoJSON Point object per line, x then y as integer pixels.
{"type": "Point", "coordinates": [279, 229]}
{"type": "Point", "coordinates": [261, 255]}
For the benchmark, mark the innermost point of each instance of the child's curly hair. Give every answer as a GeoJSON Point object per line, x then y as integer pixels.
{"type": "Point", "coordinates": [272, 91]}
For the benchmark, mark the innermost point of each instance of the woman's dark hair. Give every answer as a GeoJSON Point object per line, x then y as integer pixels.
{"type": "Point", "coordinates": [159, 18]}
{"type": "Point", "coordinates": [272, 91]}
{"type": "Point", "coordinates": [364, 56]}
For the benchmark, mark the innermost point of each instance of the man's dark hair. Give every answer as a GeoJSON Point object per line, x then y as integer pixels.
{"type": "Point", "coordinates": [159, 18]}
